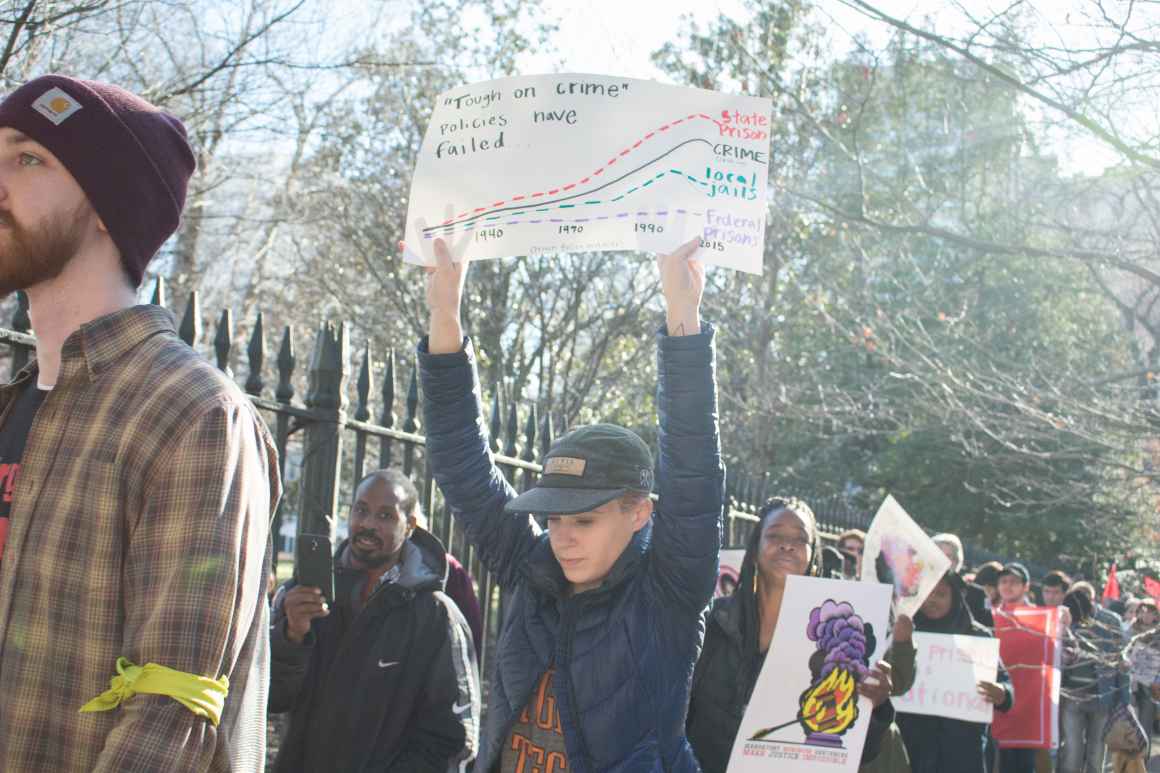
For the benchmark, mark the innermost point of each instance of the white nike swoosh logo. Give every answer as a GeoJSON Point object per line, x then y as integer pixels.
{"type": "Point", "coordinates": [384, 664]}
{"type": "Point", "coordinates": [457, 709]}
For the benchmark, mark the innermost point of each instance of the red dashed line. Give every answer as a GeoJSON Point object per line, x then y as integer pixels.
{"type": "Point", "coordinates": [611, 161]}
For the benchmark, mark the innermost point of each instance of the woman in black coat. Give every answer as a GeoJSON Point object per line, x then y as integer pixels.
{"type": "Point", "coordinates": [939, 744]}
{"type": "Point", "coordinates": [741, 626]}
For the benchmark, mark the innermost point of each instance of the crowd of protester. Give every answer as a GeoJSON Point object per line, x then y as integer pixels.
{"type": "Point", "coordinates": [129, 456]}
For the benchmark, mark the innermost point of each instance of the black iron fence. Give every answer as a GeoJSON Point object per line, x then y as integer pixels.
{"type": "Point", "coordinates": [325, 445]}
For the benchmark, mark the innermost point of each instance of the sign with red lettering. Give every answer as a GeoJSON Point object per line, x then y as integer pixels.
{"type": "Point", "coordinates": [546, 164]}
{"type": "Point", "coordinates": [948, 669]}
{"type": "Point", "coordinates": [1029, 647]}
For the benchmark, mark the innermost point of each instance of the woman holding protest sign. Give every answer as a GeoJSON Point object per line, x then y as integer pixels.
{"type": "Point", "coordinates": [740, 629]}
{"type": "Point", "coordinates": [940, 744]}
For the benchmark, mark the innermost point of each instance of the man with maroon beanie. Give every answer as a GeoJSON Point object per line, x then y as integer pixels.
{"type": "Point", "coordinates": [137, 481]}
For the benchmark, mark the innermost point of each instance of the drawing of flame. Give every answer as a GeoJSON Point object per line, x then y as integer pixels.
{"type": "Point", "coordinates": [830, 707]}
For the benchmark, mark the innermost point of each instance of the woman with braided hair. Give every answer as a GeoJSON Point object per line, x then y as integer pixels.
{"type": "Point", "coordinates": [740, 628]}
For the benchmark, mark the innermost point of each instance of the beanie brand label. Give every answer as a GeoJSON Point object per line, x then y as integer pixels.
{"type": "Point", "coordinates": [56, 105]}
{"type": "Point", "coordinates": [565, 465]}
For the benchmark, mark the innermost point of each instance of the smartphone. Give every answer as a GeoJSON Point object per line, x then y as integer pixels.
{"type": "Point", "coordinates": [314, 564]}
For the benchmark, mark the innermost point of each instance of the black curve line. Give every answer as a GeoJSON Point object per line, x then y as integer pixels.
{"type": "Point", "coordinates": [535, 204]}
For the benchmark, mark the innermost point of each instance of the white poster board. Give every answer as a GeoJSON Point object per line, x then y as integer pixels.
{"type": "Point", "coordinates": [948, 668]}
{"type": "Point", "coordinates": [541, 164]}
{"type": "Point", "coordinates": [728, 571]}
{"type": "Point", "coordinates": [805, 715]}
{"type": "Point", "coordinates": [899, 553]}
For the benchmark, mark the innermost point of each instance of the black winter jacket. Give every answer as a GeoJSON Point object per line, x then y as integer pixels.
{"type": "Point", "coordinates": [727, 673]}
{"type": "Point", "coordinates": [393, 689]}
{"type": "Point", "coordinates": [939, 744]}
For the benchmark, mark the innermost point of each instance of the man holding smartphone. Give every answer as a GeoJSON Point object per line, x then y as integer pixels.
{"type": "Point", "coordinates": [383, 676]}
{"type": "Point", "coordinates": [604, 614]}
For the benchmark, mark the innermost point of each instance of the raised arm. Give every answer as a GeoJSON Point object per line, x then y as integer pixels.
{"type": "Point", "coordinates": [687, 526]}
{"type": "Point", "coordinates": [457, 447]}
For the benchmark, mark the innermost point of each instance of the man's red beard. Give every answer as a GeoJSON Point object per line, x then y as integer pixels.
{"type": "Point", "coordinates": [29, 256]}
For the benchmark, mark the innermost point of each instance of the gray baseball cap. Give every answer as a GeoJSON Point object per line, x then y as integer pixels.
{"type": "Point", "coordinates": [588, 467]}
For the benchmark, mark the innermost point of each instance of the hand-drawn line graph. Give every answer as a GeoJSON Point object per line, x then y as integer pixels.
{"type": "Point", "coordinates": [600, 170]}
{"type": "Point", "coordinates": [483, 211]}
{"type": "Point", "coordinates": [471, 223]}
{"type": "Point", "coordinates": [638, 165]}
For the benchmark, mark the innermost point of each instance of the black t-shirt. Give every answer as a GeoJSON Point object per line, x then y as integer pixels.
{"type": "Point", "coordinates": [13, 438]}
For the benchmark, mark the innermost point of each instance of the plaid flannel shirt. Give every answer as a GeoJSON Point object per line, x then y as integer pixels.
{"type": "Point", "coordinates": [139, 528]}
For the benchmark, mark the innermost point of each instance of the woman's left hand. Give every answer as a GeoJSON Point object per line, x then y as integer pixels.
{"type": "Point", "coordinates": [992, 693]}
{"type": "Point", "coordinates": [877, 684]}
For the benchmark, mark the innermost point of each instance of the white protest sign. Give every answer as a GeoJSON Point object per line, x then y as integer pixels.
{"type": "Point", "coordinates": [899, 553]}
{"type": "Point", "coordinates": [948, 667]}
{"type": "Point", "coordinates": [805, 714]}
{"type": "Point", "coordinates": [542, 164]}
{"type": "Point", "coordinates": [728, 571]}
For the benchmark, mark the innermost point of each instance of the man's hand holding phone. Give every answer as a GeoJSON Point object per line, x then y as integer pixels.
{"type": "Point", "coordinates": [302, 604]}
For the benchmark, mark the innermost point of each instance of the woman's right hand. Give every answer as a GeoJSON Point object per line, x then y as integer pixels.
{"type": "Point", "coordinates": [445, 281]}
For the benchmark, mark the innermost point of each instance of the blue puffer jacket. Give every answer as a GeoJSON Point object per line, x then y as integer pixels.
{"type": "Point", "coordinates": [624, 652]}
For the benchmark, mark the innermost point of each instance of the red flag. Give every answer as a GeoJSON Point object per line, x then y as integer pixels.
{"type": "Point", "coordinates": [1112, 588]}
{"type": "Point", "coordinates": [1152, 588]}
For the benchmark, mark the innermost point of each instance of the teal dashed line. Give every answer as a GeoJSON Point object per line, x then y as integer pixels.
{"type": "Point", "coordinates": [630, 191]}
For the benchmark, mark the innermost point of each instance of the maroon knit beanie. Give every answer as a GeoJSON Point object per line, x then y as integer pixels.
{"type": "Point", "coordinates": [130, 158]}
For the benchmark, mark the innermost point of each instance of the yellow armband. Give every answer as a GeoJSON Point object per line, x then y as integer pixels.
{"type": "Point", "coordinates": [203, 696]}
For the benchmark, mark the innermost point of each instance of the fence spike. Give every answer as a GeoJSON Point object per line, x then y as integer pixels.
{"type": "Point", "coordinates": [328, 368]}
{"type": "Point", "coordinates": [511, 448]}
{"type": "Point", "coordinates": [494, 427]}
{"type": "Point", "coordinates": [361, 411]}
{"type": "Point", "coordinates": [529, 454]}
{"type": "Point", "coordinates": [286, 362]}
{"type": "Point", "coordinates": [739, 491]}
{"type": "Point", "coordinates": [190, 329]}
{"type": "Point", "coordinates": [256, 353]}
{"type": "Point", "coordinates": [159, 298]}
{"type": "Point", "coordinates": [546, 434]}
{"type": "Point", "coordinates": [411, 422]}
{"type": "Point", "coordinates": [223, 341]}
{"type": "Point", "coordinates": [387, 418]}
